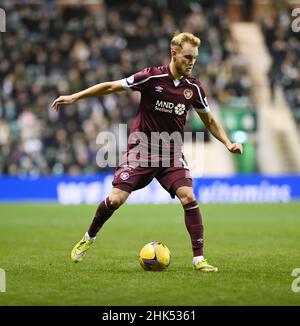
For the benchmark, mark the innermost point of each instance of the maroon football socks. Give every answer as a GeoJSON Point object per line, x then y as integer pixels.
{"type": "Point", "coordinates": [103, 213]}
{"type": "Point", "coordinates": [192, 216]}
{"type": "Point", "coordinates": [193, 222]}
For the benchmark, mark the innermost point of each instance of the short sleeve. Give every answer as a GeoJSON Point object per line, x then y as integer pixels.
{"type": "Point", "coordinates": [138, 81]}
{"type": "Point", "coordinates": [200, 103]}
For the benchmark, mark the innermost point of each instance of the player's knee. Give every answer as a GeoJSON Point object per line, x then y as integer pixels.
{"type": "Point", "coordinates": [116, 201]}
{"type": "Point", "coordinates": [187, 197]}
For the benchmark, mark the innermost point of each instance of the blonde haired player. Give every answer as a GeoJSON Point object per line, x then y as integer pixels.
{"type": "Point", "coordinates": [167, 93]}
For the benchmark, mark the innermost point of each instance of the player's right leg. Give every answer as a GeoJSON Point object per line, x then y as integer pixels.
{"type": "Point", "coordinates": [103, 213]}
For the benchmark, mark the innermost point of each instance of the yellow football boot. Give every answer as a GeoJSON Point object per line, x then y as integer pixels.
{"type": "Point", "coordinates": [204, 266]}
{"type": "Point", "coordinates": [81, 248]}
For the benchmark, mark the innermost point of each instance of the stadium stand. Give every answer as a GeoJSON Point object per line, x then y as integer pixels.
{"type": "Point", "coordinates": [51, 49]}
{"type": "Point", "coordinates": [283, 45]}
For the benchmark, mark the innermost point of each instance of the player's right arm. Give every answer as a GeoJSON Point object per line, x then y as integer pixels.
{"type": "Point", "coordinates": [94, 91]}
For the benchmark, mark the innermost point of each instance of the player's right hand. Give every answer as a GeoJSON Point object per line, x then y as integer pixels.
{"type": "Point", "coordinates": [66, 99]}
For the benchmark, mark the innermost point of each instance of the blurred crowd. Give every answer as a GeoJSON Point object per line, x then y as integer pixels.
{"type": "Point", "coordinates": [49, 50]}
{"type": "Point", "coordinates": [284, 45]}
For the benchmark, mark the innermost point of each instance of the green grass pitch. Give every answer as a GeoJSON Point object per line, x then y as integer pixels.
{"type": "Point", "coordinates": [256, 247]}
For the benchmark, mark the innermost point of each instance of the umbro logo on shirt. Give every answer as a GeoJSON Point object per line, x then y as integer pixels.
{"type": "Point", "coordinates": [159, 89]}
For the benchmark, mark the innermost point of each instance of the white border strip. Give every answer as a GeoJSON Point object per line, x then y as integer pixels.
{"type": "Point", "coordinates": [124, 82]}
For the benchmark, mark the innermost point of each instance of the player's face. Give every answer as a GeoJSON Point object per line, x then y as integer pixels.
{"type": "Point", "coordinates": [185, 58]}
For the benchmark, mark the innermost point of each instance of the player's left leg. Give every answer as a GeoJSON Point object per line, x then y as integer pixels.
{"type": "Point", "coordinates": [194, 225]}
{"type": "Point", "coordinates": [178, 182]}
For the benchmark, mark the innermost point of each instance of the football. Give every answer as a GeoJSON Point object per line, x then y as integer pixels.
{"type": "Point", "coordinates": [155, 256]}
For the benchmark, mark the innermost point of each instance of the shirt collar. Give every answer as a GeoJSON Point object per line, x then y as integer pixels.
{"type": "Point", "coordinates": [170, 74]}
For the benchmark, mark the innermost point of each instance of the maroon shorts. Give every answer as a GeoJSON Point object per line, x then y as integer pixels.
{"type": "Point", "coordinates": [171, 178]}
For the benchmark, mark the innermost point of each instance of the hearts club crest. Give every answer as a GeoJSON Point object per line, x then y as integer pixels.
{"type": "Point", "coordinates": [188, 93]}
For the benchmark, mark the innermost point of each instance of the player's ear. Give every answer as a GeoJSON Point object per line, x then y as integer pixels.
{"type": "Point", "coordinates": [173, 53]}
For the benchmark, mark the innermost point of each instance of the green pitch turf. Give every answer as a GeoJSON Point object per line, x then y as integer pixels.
{"type": "Point", "coordinates": [256, 248]}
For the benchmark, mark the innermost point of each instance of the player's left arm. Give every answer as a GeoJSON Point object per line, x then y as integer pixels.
{"type": "Point", "coordinates": [218, 131]}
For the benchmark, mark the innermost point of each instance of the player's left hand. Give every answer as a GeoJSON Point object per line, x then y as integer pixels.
{"type": "Point", "coordinates": [236, 148]}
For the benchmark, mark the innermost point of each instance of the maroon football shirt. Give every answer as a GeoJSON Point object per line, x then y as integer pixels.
{"type": "Point", "coordinates": [164, 104]}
